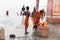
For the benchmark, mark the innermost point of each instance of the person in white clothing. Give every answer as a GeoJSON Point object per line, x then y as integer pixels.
{"type": "Point", "coordinates": [23, 10]}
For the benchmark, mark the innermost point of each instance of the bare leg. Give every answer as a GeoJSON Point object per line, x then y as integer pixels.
{"type": "Point", "coordinates": [35, 27]}
{"type": "Point", "coordinates": [26, 27]}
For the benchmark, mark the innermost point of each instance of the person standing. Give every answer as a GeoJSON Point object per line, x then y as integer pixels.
{"type": "Point", "coordinates": [36, 20]}
{"type": "Point", "coordinates": [7, 13]}
{"type": "Point", "coordinates": [26, 22]}
{"type": "Point", "coordinates": [23, 9]}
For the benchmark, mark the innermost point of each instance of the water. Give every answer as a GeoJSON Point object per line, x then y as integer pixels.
{"type": "Point", "coordinates": [13, 25]}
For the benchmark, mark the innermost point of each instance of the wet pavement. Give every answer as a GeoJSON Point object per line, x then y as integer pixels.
{"type": "Point", "coordinates": [54, 34]}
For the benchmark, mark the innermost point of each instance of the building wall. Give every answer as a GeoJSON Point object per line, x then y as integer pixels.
{"type": "Point", "coordinates": [50, 7]}
{"type": "Point", "coordinates": [56, 7]}
{"type": "Point", "coordinates": [53, 11]}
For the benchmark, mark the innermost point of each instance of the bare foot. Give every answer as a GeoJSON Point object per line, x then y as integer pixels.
{"type": "Point", "coordinates": [26, 33]}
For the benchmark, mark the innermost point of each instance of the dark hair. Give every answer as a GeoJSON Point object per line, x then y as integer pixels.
{"type": "Point", "coordinates": [27, 8]}
{"type": "Point", "coordinates": [40, 11]}
{"type": "Point", "coordinates": [23, 8]}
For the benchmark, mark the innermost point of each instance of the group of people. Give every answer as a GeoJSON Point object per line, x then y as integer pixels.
{"type": "Point", "coordinates": [35, 15]}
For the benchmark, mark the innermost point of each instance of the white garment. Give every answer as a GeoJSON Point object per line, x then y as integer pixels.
{"type": "Point", "coordinates": [22, 18]}
{"type": "Point", "coordinates": [42, 20]}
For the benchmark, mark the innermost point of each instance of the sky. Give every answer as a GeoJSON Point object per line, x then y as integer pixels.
{"type": "Point", "coordinates": [14, 6]}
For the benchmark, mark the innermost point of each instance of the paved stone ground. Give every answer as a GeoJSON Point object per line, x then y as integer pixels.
{"type": "Point", "coordinates": [54, 34]}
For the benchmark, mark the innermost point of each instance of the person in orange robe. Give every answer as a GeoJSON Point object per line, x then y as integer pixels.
{"type": "Point", "coordinates": [26, 22]}
{"type": "Point", "coordinates": [36, 20]}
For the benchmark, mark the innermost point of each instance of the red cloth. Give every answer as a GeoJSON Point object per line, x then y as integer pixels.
{"type": "Point", "coordinates": [36, 18]}
{"type": "Point", "coordinates": [42, 25]}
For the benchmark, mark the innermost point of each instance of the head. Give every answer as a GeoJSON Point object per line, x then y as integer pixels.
{"type": "Point", "coordinates": [23, 8]}
{"type": "Point", "coordinates": [40, 11]}
{"type": "Point", "coordinates": [27, 8]}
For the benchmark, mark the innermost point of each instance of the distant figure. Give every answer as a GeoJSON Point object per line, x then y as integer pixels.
{"type": "Point", "coordinates": [26, 22]}
{"type": "Point", "coordinates": [7, 13]}
{"type": "Point", "coordinates": [22, 11]}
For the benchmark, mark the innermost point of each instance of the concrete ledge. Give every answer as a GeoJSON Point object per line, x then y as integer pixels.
{"type": "Point", "coordinates": [53, 20]}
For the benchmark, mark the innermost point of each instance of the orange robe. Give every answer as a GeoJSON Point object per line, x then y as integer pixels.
{"type": "Point", "coordinates": [36, 18]}
{"type": "Point", "coordinates": [26, 23]}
